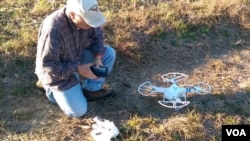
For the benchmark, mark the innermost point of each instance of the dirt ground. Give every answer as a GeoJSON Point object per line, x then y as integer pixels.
{"type": "Point", "coordinates": [222, 60]}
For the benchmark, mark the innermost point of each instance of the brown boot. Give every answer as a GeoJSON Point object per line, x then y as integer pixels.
{"type": "Point", "coordinates": [102, 93]}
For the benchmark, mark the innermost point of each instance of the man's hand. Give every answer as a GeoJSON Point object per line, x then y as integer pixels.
{"type": "Point", "coordinates": [84, 70]}
{"type": "Point", "coordinates": [98, 61]}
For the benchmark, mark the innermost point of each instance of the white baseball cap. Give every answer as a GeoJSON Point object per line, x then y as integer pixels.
{"type": "Point", "coordinates": [88, 10]}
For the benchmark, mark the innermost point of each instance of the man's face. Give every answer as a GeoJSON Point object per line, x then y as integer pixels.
{"type": "Point", "coordinates": [78, 21]}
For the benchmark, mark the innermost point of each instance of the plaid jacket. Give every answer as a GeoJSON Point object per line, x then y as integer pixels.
{"type": "Point", "coordinates": [60, 47]}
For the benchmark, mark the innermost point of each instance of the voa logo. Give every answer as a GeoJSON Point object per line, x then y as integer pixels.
{"type": "Point", "coordinates": [236, 132]}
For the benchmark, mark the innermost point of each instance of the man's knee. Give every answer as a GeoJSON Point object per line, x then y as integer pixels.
{"type": "Point", "coordinates": [77, 113]}
{"type": "Point", "coordinates": [80, 114]}
{"type": "Point", "coordinates": [111, 51]}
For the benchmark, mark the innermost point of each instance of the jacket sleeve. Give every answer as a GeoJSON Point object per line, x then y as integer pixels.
{"type": "Point", "coordinates": [97, 45]}
{"type": "Point", "coordinates": [51, 47]}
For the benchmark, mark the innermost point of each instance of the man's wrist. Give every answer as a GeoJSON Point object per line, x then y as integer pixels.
{"type": "Point", "coordinates": [98, 56]}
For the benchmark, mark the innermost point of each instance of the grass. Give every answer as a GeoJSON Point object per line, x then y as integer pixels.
{"type": "Point", "coordinates": [143, 33]}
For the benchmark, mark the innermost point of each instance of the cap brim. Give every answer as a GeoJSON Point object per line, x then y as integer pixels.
{"type": "Point", "coordinates": [94, 19]}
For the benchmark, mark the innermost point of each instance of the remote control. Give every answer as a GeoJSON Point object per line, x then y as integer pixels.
{"type": "Point", "coordinates": [100, 71]}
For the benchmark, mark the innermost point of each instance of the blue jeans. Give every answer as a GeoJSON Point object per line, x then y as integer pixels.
{"type": "Point", "coordinates": [72, 101]}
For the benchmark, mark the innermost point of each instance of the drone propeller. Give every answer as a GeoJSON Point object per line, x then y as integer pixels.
{"type": "Point", "coordinates": [173, 77]}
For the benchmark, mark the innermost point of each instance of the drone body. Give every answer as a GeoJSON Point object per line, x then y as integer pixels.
{"type": "Point", "coordinates": [174, 92]}
{"type": "Point", "coordinates": [175, 95]}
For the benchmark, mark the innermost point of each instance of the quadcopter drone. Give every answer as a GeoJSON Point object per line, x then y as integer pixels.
{"type": "Point", "coordinates": [175, 95]}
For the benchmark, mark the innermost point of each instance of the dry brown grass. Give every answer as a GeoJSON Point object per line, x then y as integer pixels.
{"type": "Point", "coordinates": [206, 39]}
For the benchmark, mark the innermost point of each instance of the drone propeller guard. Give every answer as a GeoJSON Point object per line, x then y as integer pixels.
{"type": "Point", "coordinates": [173, 77]}
{"type": "Point", "coordinates": [173, 104]}
{"type": "Point", "coordinates": [202, 88]}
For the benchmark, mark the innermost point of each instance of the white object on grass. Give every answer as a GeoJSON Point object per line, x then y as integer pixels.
{"type": "Point", "coordinates": [104, 130]}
